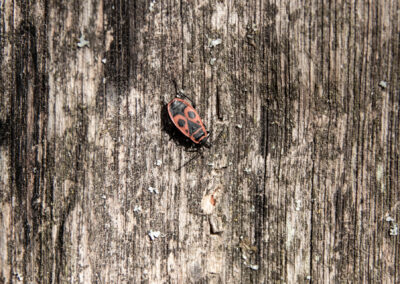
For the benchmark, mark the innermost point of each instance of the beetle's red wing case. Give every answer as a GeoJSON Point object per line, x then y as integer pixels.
{"type": "Point", "coordinates": [187, 120]}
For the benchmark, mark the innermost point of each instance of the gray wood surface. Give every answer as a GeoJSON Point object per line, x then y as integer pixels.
{"type": "Point", "coordinates": [301, 186]}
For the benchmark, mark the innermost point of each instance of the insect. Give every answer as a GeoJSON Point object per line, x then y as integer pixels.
{"type": "Point", "coordinates": [187, 120]}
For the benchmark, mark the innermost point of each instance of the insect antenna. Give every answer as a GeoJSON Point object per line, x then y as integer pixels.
{"type": "Point", "coordinates": [175, 85]}
{"type": "Point", "coordinates": [180, 93]}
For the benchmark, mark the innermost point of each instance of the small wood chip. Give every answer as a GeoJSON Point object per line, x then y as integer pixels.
{"type": "Point", "coordinates": [216, 225]}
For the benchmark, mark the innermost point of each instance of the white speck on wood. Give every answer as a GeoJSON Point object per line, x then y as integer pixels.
{"type": "Point", "coordinates": [154, 234]}
{"type": "Point", "coordinates": [389, 219]}
{"type": "Point", "coordinates": [215, 42]}
{"type": "Point", "coordinates": [151, 6]}
{"type": "Point", "coordinates": [153, 190]}
{"type": "Point", "coordinates": [394, 230]}
{"type": "Point", "coordinates": [82, 42]}
{"type": "Point", "coordinates": [254, 267]}
{"type": "Point", "coordinates": [383, 84]}
{"type": "Point", "coordinates": [298, 204]}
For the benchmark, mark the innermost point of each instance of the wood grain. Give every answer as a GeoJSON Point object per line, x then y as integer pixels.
{"type": "Point", "coordinates": [303, 97]}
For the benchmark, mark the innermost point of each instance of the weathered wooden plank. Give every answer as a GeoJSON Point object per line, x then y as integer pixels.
{"type": "Point", "coordinates": [305, 95]}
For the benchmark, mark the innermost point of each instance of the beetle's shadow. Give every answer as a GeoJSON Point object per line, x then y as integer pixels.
{"type": "Point", "coordinates": [174, 134]}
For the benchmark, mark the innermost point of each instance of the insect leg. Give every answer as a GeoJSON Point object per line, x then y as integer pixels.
{"type": "Point", "coordinates": [191, 159]}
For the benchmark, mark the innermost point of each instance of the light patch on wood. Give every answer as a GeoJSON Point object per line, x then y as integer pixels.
{"type": "Point", "coordinates": [109, 38]}
{"type": "Point", "coordinates": [154, 59]}
{"type": "Point", "coordinates": [215, 261]}
{"type": "Point", "coordinates": [210, 200]}
{"type": "Point", "coordinates": [384, 119]}
{"type": "Point", "coordinates": [379, 176]}
{"type": "Point", "coordinates": [5, 222]}
{"type": "Point", "coordinates": [219, 16]}
{"type": "Point", "coordinates": [207, 204]}
{"type": "Point", "coordinates": [84, 264]}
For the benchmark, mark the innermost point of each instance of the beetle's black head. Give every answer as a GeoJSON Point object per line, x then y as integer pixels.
{"type": "Point", "coordinates": [205, 142]}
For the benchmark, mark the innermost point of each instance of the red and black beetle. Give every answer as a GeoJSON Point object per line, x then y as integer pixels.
{"type": "Point", "coordinates": [185, 118]}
